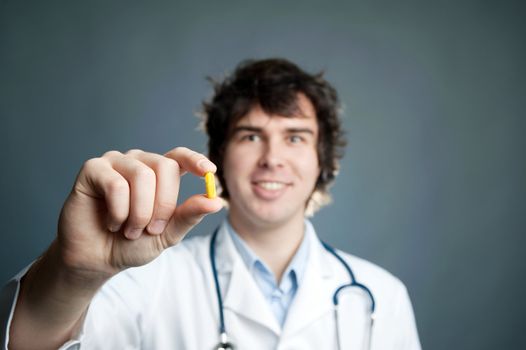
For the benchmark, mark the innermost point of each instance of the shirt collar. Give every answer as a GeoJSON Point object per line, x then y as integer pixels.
{"type": "Point", "coordinates": [296, 267]}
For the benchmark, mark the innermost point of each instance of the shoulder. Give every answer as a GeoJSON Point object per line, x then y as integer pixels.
{"type": "Point", "coordinates": [373, 276]}
{"type": "Point", "coordinates": [385, 286]}
{"type": "Point", "coordinates": [367, 270]}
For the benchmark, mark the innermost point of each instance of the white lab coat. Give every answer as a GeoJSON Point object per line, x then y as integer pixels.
{"type": "Point", "coordinates": [171, 304]}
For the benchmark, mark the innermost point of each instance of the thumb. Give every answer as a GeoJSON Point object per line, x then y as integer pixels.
{"type": "Point", "coordinates": [189, 214]}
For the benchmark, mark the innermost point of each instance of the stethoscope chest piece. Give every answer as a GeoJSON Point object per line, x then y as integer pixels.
{"type": "Point", "coordinates": [224, 344]}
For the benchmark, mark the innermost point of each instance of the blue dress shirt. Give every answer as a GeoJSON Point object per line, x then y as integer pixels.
{"type": "Point", "coordinates": [279, 296]}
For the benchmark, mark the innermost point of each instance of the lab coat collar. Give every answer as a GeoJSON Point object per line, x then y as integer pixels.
{"type": "Point", "coordinates": [314, 296]}
{"type": "Point", "coordinates": [242, 295]}
{"type": "Point", "coordinates": [240, 292]}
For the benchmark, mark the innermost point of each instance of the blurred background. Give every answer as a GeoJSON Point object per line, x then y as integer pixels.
{"type": "Point", "coordinates": [433, 183]}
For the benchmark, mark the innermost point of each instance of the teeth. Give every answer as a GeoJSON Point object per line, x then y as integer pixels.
{"type": "Point", "coordinates": [271, 185]}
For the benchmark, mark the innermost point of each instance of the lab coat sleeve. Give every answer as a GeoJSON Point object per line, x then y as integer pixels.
{"type": "Point", "coordinates": [405, 320]}
{"type": "Point", "coordinates": [8, 300]}
{"type": "Point", "coordinates": [115, 317]}
{"type": "Point", "coordinates": [97, 329]}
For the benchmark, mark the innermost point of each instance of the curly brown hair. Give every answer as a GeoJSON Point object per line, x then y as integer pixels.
{"type": "Point", "coordinates": [274, 85]}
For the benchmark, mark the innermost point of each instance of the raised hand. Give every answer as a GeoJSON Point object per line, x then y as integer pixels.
{"type": "Point", "coordinates": [123, 209]}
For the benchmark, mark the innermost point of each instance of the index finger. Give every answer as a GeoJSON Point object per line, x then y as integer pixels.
{"type": "Point", "coordinates": [191, 161]}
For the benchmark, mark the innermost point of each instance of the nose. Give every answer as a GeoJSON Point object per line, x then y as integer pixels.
{"type": "Point", "coordinates": [271, 155]}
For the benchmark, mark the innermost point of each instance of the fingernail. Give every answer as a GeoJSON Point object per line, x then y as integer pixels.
{"type": "Point", "coordinates": [206, 165]}
{"type": "Point", "coordinates": [114, 227]}
{"type": "Point", "coordinates": [133, 233]}
{"type": "Point", "coordinates": [157, 226]}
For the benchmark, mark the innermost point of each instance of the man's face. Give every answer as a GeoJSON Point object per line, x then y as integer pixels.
{"type": "Point", "coordinates": [271, 166]}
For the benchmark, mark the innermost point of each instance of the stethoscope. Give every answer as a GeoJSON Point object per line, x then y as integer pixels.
{"type": "Point", "coordinates": [225, 344]}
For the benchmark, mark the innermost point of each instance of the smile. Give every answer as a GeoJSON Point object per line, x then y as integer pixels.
{"type": "Point", "coordinates": [271, 185]}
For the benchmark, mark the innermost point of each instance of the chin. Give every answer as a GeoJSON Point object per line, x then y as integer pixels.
{"type": "Point", "coordinates": [273, 216]}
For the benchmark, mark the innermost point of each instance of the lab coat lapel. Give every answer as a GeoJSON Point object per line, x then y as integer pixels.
{"type": "Point", "coordinates": [240, 292]}
{"type": "Point", "coordinates": [314, 295]}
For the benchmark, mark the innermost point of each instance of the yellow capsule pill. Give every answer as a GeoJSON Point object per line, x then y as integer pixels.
{"type": "Point", "coordinates": [210, 185]}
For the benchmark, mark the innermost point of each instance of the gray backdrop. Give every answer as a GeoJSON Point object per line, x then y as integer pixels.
{"type": "Point", "coordinates": [432, 187]}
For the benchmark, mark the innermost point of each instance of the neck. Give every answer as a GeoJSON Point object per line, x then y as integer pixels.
{"type": "Point", "coordinates": [275, 244]}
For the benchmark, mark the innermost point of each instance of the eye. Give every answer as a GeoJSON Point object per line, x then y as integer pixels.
{"type": "Point", "coordinates": [251, 137]}
{"type": "Point", "coordinates": [295, 139]}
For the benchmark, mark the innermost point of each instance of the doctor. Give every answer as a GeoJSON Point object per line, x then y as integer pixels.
{"type": "Point", "coordinates": [118, 276]}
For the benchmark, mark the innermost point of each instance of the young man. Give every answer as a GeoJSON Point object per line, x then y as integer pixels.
{"type": "Point", "coordinates": [119, 277]}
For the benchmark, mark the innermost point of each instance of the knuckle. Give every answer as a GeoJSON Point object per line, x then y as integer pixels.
{"type": "Point", "coordinates": [196, 156]}
{"type": "Point", "coordinates": [181, 149]}
{"type": "Point", "coordinates": [144, 173]}
{"type": "Point", "coordinates": [111, 154]}
{"type": "Point", "coordinates": [118, 187]}
{"type": "Point", "coordinates": [91, 164]}
{"type": "Point", "coordinates": [134, 152]}
{"type": "Point", "coordinates": [170, 165]}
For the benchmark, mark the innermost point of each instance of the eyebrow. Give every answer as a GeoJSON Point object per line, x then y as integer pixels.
{"type": "Point", "coordinates": [256, 129]}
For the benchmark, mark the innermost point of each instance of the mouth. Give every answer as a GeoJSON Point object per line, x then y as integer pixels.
{"type": "Point", "coordinates": [270, 185]}
{"type": "Point", "coordinates": [269, 190]}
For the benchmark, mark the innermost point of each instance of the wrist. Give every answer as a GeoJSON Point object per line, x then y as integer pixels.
{"type": "Point", "coordinates": [74, 277]}
{"type": "Point", "coordinates": [52, 301]}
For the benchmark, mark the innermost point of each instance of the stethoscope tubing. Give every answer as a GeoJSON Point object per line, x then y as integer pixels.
{"type": "Point", "coordinates": [222, 328]}
{"type": "Point", "coordinates": [225, 344]}
{"type": "Point", "coordinates": [353, 282]}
